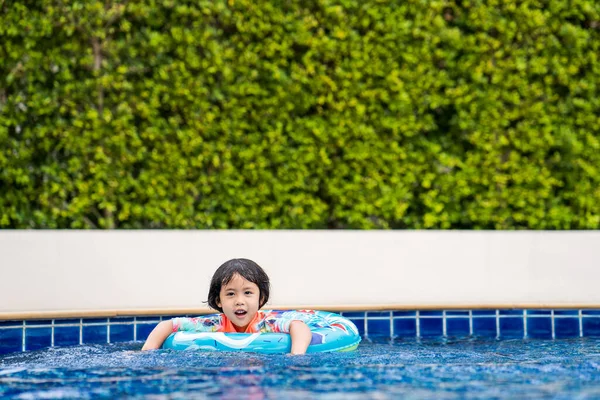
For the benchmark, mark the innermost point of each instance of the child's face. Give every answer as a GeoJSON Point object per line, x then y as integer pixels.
{"type": "Point", "coordinates": [239, 300]}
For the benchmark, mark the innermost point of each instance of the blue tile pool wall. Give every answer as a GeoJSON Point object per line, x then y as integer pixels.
{"type": "Point", "coordinates": [500, 324]}
{"type": "Point", "coordinates": [39, 334]}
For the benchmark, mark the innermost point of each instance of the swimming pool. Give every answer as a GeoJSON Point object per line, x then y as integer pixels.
{"type": "Point", "coordinates": [503, 353]}
{"type": "Point", "coordinates": [380, 368]}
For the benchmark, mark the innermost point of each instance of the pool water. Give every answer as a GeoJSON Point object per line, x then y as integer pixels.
{"type": "Point", "coordinates": [412, 369]}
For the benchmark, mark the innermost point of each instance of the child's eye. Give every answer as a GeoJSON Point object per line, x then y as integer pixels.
{"type": "Point", "coordinates": [248, 292]}
{"type": "Point", "coordinates": [229, 294]}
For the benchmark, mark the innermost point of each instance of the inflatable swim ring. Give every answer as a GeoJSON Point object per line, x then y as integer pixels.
{"type": "Point", "coordinates": [340, 334]}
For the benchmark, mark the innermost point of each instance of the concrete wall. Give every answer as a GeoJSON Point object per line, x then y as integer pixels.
{"type": "Point", "coordinates": [149, 271]}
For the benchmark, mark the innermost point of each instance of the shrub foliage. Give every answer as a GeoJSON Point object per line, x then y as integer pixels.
{"type": "Point", "coordinates": [300, 114]}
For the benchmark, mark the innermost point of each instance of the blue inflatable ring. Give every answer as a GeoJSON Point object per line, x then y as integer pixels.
{"type": "Point", "coordinates": [324, 339]}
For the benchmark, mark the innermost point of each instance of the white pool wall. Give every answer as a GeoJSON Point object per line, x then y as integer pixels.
{"type": "Point", "coordinates": [49, 273]}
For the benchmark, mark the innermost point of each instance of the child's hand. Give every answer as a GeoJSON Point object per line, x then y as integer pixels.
{"type": "Point", "coordinates": [301, 337]}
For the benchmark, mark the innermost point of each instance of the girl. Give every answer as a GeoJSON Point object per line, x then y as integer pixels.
{"type": "Point", "coordinates": [238, 289]}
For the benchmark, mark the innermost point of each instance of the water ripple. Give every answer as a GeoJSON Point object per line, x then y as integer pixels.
{"type": "Point", "coordinates": [382, 369]}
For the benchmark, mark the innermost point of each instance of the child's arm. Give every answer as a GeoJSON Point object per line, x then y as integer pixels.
{"type": "Point", "coordinates": [301, 337]}
{"type": "Point", "coordinates": [158, 335]}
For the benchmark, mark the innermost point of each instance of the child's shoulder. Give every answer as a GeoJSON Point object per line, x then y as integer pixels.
{"type": "Point", "coordinates": [203, 323]}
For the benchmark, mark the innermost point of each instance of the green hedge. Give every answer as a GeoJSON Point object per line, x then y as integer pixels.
{"type": "Point", "coordinates": [300, 114]}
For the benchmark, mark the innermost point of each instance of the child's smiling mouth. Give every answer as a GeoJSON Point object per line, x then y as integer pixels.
{"type": "Point", "coordinates": [240, 313]}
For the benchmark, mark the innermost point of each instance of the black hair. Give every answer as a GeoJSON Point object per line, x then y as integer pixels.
{"type": "Point", "coordinates": [248, 269]}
